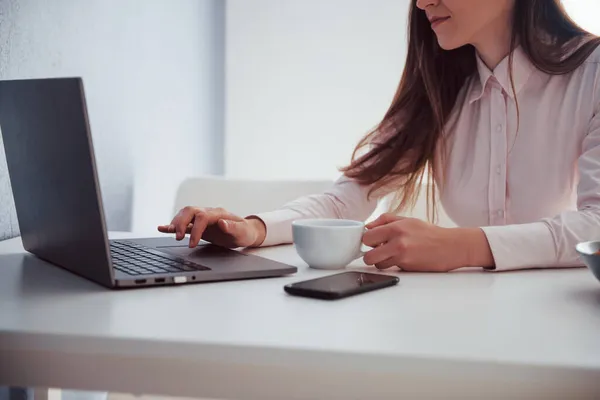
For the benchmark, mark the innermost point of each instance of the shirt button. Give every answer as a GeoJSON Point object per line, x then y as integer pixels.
{"type": "Point", "coordinates": [499, 128]}
{"type": "Point", "coordinates": [500, 213]}
{"type": "Point", "coordinates": [499, 169]}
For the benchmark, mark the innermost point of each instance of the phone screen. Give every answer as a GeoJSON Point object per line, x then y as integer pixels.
{"type": "Point", "coordinates": [342, 285]}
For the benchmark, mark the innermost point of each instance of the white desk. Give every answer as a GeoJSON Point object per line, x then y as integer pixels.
{"type": "Point", "coordinates": [532, 334]}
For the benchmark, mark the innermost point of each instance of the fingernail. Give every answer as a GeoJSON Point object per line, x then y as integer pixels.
{"type": "Point", "coordinates": [226, 224]}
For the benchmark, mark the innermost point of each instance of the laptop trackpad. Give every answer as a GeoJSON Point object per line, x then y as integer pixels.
{"type": "Point", "coordinates": [205, 254]}
{"type": "Point", "coordinates": [204, 251]}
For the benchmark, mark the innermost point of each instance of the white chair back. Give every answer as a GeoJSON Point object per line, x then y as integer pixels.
{"type": "Point", "coordinates": [246, 197]}
{"type": "Point", "coordinates": [243, 197]}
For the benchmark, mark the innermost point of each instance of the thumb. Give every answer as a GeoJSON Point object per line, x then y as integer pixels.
{"type": "Point", "coordinates": [233, 228]}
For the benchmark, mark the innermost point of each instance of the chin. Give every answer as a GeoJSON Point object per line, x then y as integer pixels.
{"type": "Point", "coordinates": [448, 44]}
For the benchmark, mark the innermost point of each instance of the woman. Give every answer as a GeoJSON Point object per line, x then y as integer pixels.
{"type": "Point", "coordinates": [500, 103]}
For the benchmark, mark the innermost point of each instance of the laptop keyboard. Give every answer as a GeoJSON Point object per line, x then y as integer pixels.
{"type": "Point", "coordinates": [134, 259]}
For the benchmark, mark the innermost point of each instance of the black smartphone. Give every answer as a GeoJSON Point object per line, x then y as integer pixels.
{"type": "Point", "coordinates": [342, 285]}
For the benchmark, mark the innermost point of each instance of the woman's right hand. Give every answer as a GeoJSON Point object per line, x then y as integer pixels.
{"type": "Point", "coordinates": [217, 226]}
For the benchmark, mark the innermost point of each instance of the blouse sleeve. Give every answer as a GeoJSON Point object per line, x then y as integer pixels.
{"type": "Point", "coordinates": [346, 199]}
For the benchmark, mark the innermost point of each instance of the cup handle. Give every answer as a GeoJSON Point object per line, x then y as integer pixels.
{"type": "Point", "coordinates": [362, 253]}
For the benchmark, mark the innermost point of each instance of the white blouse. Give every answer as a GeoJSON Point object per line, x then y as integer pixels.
{"type": "Point", "coordinates": [535, 192]}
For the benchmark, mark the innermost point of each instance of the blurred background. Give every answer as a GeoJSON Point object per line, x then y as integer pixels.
{"type": "Point", "coordinates": [259, 89]}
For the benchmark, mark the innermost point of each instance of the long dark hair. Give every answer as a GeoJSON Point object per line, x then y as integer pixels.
{"type": "Point", "coordinates": [401, 150]}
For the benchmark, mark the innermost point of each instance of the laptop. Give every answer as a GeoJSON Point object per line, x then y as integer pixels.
{"type": "Point", "coordinates": [52, 169]}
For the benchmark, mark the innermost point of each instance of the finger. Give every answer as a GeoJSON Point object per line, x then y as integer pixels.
{"type": "Point", "coordinates": [382, 234]}
{"type": "Point", "coordinates": [182, 220]}
{"type": "Point", "coordinates": [380, 254]}
{"type": "Point", "coordinates": [166, 228]}
{"type": "Point", "coordinates": [387, 264]}
{"type": "Point", "coordinates": [384, 219]}
{"type": "Point", "coordinates": [171, 228]}
{"type": "Point", "coordinates": [201, 221]}
{"type": "Point", "coordinates": [204, 218]}
{"type": "Point", "coordinates": [189, 215]}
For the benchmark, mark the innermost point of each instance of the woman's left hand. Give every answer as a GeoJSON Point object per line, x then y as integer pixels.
{"type": "Point", "coordinates": [414, 245]}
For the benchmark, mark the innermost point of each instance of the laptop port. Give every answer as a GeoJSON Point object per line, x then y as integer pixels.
{"type": "Point", "coordinates": [140, 281]}
{"type": "Point", "coordinates": [159, 280]}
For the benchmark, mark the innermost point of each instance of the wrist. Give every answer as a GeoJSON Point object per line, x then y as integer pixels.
{"type": "Point", "coordinates": [473, 246]}
{"type": "Point", "coordinates": [260, 230]}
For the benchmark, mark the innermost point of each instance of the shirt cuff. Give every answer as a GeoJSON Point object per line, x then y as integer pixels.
{"type": "Point", "coordinates": [524, 246]}
{"type": "Point", "coordinates": [279, 226]}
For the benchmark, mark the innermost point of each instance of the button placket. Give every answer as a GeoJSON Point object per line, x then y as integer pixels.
{"type": "Point", "coordinates": [498, 149]}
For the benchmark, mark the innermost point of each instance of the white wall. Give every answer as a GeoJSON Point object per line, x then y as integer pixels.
{"type": "Point", "coordinates": [153, 75]}
{"type": "Point", "coordinates": [306, 80]}
{"type": "Point", "coordinates": [585, 13]}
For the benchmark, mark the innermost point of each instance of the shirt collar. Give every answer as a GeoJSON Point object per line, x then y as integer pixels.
{"type": "Point", "coordinates": [522, 70]}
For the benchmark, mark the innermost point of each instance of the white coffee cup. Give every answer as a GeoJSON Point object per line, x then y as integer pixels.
{"type": "Point", "coordinates": [328, 243]}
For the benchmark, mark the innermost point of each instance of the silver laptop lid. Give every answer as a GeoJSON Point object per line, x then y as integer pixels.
{"type": "Point", "coordinates": [53, 175]}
